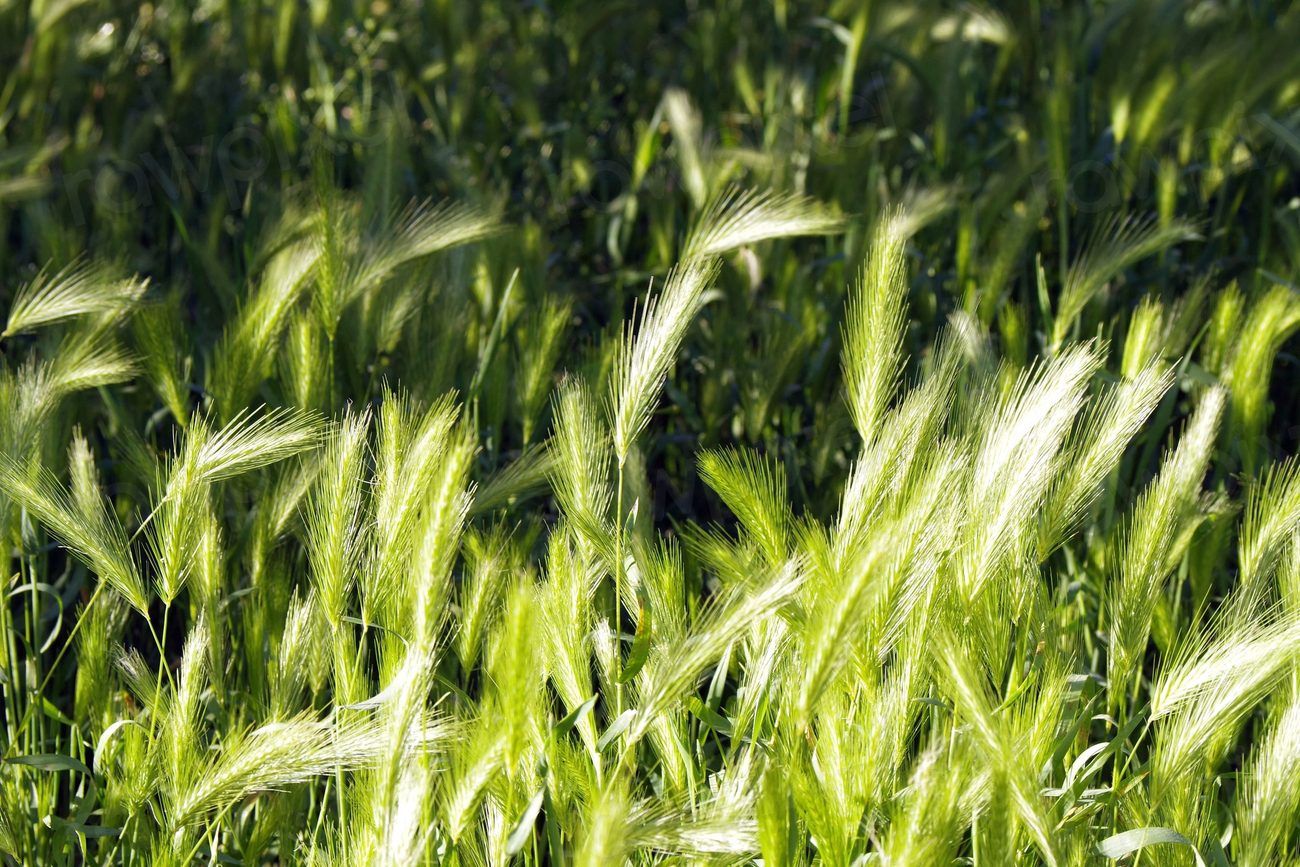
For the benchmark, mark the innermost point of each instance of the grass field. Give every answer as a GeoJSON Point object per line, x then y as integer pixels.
{"type": "Point", "coordinates": [855, 433]}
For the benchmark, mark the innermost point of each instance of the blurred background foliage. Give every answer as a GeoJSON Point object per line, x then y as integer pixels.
{"type": "Point", "coordinates": [168, 134]}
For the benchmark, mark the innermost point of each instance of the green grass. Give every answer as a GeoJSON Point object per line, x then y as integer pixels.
{"type": "Point", "coordinates": [676, 433]}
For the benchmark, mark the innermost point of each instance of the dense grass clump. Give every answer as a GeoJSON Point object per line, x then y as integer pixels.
{"type": "Point", "coordinates": [788, 433]}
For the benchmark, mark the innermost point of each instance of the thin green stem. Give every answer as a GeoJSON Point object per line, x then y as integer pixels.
{"type": "Point", "coordinates": [618, 595]}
